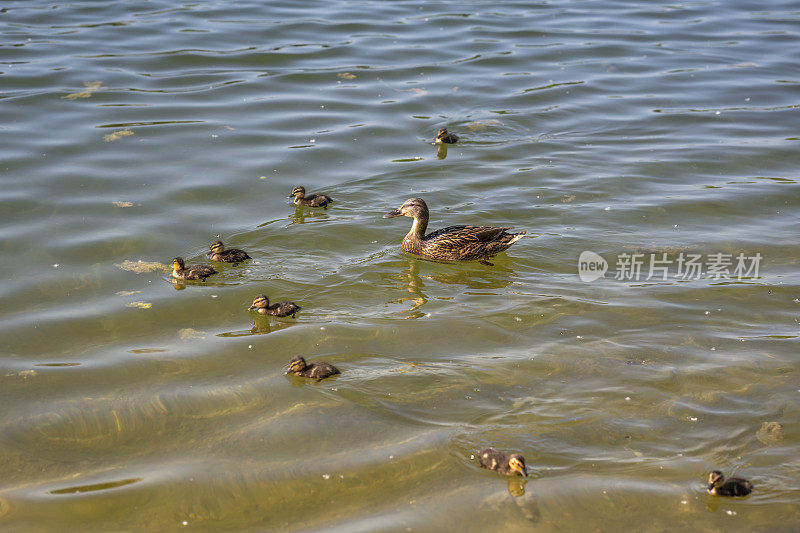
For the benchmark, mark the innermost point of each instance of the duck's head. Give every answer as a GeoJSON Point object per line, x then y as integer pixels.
{"type": "Point", "coordinates": [715, 479]}
{"type": "Point", "coordinates": [413, 207]}
{"type": "Point", "coordinates": [260, 301]}
{"type": "Point", "coordinates": [178, 264]}
{"type": "Point", "coordinates": [298, 364]}
{"type": "Point", "coordinates": [441, 133]}
{"type": "Point", "coordinates": [298, 192]}
{"type": "Point", "coordinates": [216, 247]}
{"type": "Point", "coordinates": [517, 463]}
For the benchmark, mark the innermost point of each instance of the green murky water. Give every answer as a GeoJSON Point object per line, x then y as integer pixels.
{"type": "Point", "coordinates": [137, 131]}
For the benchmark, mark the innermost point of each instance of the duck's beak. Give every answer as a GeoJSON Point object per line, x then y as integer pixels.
{"type": "Point", "coordinates": [392, 214]}
{"type": "Point", "coordinates": [710, 488]}
{"type": "Point", "coordinates": [290, 196]}
{"type": "Point", "coordinates": [251, 307]}
{"type": "Point", "coordinates": [521, 470]}
{"type": "Point", "coordinates": [208, 253]}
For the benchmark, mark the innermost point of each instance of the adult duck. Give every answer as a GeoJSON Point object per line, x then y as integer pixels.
{"type": "Point", "coordinates": [453, 243]}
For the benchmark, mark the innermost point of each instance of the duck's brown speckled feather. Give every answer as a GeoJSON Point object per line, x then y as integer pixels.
{"type": "Point", "coordinates": [453, 243]}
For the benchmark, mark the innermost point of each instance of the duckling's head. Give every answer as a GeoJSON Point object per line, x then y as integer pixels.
{"type": "Point", "coordinates": [216, 248]}
{"type": "Point", "coordinates": [715, 479]}
{"type": "Point", "coordinates": [298, 192]}
{"type": "Point", "coordinates": [260, 301]}
{"type": "Point", "coordinates": [441, 133]}
{"type": "Point", "coordinates": [178, 264]}
{"type": "Point", "coordinates": [298, 364]}
{"type": "Point", "coordinates": [413, 207]}
{"type": "Point", "coordinates": [517, 463]}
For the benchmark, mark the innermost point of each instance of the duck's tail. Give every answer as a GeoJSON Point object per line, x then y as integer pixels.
{"type": "Point", "coordinates": [515, 237]}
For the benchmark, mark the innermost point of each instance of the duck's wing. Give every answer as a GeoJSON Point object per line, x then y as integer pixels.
{"type": "Point", "coordinates": [459, 236]}
{"type": "Point", "coordinates": [468, 242]}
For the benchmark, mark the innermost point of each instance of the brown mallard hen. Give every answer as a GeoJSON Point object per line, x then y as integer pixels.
{"type": "Point", "coordinates": [262, 307]}
{"type": "Point", "coordinates": [453, 243]}
{"type": "Point", "coordinates": [181, 271]}
{"type": "Point", "coordinates": [319, 370]}
{"type": "Point", "coordinates": [443, 136]}
{"type": "Point", "coordinates": [312, 200]}
{"type": "Point", "coordinates": [499, 462]}
{"type": "Point", "coordinates": [734, 486]}
{"type": "Point", "coordinates": [217, 252]}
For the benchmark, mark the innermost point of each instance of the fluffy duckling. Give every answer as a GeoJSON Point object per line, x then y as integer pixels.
{"type": "Point", "coordinates": [312, 200]}
{"type": "Point", "coordinates": [262, 307]}
{"type": "Point", "coordinates": [217, 252]}
{"type": "Point", "coordinates": [453, 243]}
{"type": "Point", "coordinates": [181, 271]}
{"type": "Point", "coordinates": [497, 461]}
{"type": "Point", "coordinates": [734, 486]}
{"type": "Point", "coordinates": [443, 136]}
{"type": "Point", "coordinates": [318, 371]}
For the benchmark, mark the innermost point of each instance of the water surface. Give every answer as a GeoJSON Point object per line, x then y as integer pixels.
{"type": "Point", "coordinates": [137, 131]}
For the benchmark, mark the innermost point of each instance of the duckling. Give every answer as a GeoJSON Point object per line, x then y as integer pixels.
{"type": "Point", "coordinates": [497, 460]}
{"type": "Point", "coordinates": [734, 486]}
{"type": "Point", "coordinates": [443, 136]}
{"type": "Point", "coordinates": [453, 243]}
{"type": "Point", "coordinates": [312, 200]}
{"type": "Point", "coordinates": [181, 271]}
{"type": "Point", "coordinates": [232, 255]}
{"type": "Point", "coordinates": [262, 307]}
{"type": "Point", "coordinates": [319, 370]}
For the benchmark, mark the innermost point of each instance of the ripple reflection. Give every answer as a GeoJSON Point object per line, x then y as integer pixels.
{"type": "Point", "coordinates": [469, 275]}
